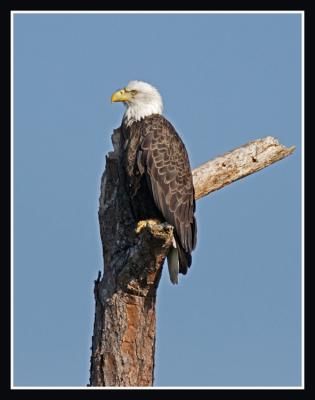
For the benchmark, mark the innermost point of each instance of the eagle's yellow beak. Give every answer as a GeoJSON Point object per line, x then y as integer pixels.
{"type": "Point", "coordinates": [120, 95]}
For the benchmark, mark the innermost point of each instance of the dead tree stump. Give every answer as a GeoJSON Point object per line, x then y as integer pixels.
{"type": "Point", "coordinates": [123, 342]}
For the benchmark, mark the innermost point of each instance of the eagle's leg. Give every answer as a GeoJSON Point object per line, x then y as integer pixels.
{"type": "Point", "coordinates": [144, 223]}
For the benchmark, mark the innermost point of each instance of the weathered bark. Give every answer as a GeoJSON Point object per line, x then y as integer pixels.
{"type": "Point", "coordinates": [123, 342]}
{"type": "Point", "coordinates": [237, 164]}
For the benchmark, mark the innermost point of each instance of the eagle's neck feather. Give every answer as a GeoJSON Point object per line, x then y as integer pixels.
{"type": "Point", "coordinates": [137, 111]}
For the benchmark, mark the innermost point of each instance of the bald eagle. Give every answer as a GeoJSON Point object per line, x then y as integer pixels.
{"type": "Point", "coordinates": [157, 171]}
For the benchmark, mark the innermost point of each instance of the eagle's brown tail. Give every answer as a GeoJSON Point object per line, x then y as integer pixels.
{"type": "Point", "coordinates": [178, 261]}
{"type": "Point", "coordinates": [173, 264]}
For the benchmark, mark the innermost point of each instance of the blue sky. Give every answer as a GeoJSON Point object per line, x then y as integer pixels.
{"type": "Point", "coordinates": [234, 319]}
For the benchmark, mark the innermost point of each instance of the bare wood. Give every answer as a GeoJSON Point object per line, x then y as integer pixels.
{"type": "Point", "coordinates": [123, 342]}
{"type": "Point", "coordinates": [237, 164]}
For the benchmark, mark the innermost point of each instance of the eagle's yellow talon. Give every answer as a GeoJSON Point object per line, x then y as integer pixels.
{"type": "Point", "coordinates": [144, 223]}
{"type": "Point", "coordinates": [140, 226]}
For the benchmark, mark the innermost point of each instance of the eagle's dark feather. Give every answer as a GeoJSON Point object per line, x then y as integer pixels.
{"type": "Point", "coordinates": [159, 179]}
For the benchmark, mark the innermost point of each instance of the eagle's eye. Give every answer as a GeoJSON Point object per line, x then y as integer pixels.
{"type": "Point", "coordinates": [134, 92]}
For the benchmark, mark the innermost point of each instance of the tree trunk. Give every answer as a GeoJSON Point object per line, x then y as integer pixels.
{"type": "Point", "coordinates": [123, 342]}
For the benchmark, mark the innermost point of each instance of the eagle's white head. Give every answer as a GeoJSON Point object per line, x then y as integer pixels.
{"type": "Point", "coordinates": [141, 100]}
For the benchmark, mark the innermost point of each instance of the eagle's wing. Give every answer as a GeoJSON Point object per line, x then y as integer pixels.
{"type": "Point", "coordinates": [162, 156]}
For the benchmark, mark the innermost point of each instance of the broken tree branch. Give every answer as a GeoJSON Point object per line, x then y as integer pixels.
{"type": "Point", "coordinates": [238, 163]}
{"type": "Point", "coordinates": [123, 342]}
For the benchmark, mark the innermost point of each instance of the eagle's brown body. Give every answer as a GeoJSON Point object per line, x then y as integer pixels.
{"type": "Point", "coordinates": [159, 179]}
